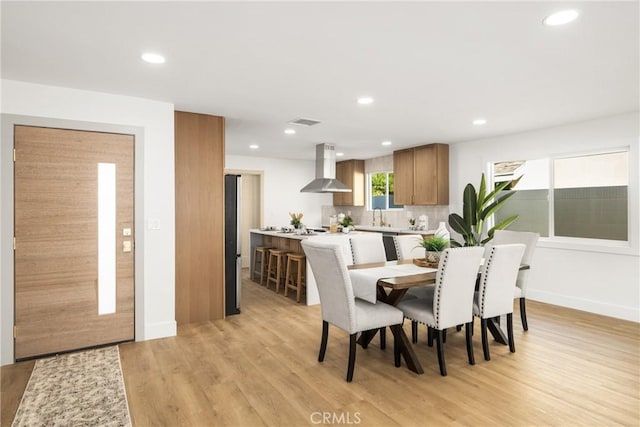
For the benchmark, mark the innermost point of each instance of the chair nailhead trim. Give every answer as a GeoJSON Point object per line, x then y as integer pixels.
{"type": "Point", "coordinates": [438, 289]}
{"type": "Point", "coordinates": [484, 281]}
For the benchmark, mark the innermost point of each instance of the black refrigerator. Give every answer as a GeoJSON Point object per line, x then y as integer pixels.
{"type": "Point", "coordinates": [232, 249]}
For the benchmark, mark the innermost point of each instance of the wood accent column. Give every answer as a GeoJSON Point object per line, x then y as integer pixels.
{"type": "Point", "coordinates": [199, 171]}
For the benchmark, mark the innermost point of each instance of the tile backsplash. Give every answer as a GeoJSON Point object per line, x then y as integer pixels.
{"type": "Point", "coordinates": [394, 218]}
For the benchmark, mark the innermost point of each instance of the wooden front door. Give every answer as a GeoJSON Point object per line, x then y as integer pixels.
{"type": "Point", "coordinates": [74, 255]}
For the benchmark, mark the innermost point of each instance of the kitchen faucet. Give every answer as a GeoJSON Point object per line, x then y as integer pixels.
{"type": "Point", "coordinates": [381, 217]}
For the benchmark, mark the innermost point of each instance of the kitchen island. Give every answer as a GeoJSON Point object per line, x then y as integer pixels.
{"type": "Point", "coordinates": [394, 230]}
{"type": "Point", "coordinates": [291, 243]}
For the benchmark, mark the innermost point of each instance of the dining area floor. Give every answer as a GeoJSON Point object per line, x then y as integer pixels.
{"type": "Point", "coordinates": [260, 368]}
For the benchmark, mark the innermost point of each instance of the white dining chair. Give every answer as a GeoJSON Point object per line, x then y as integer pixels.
{"type": "Point", "coordinates": [367, 248]}
{"type": "Point", "coordinates": [338, 305]}
{"type": "Point", "coordinates": [408, 246]}
{"type": "Point", "coordinates": [497, 281]}
{"type": "Point", "coordinates": [529, 239]}
{"type": "Point", "coordinates": [451, 303]}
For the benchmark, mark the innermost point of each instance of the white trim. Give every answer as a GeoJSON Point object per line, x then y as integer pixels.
{"type": "Point", "coordinates": [591, 306]}
{"type": "Point", "coordinates": [159, 330]}
{"type": "Point", "coordinates": [589, 245]}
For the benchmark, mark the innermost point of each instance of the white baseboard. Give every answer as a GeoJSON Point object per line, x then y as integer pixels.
{"type": "Point", "coordinates": [597, 307]}
{"type": "Point", "coordinates": [159, 330]}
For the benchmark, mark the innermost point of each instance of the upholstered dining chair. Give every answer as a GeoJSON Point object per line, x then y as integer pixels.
{"type": "Point", "coordinates": [338, 305]}
{"type": "Point", "coordinates": [451, 303]}
{"type": "Point", "coordinates": [407, 246]}
{"type": "Point", "coordinates": [494, 296]}
{"type": "Point", "coordinates": [529, 239]}
{"type": "Point", "coordinates": [367, 248]}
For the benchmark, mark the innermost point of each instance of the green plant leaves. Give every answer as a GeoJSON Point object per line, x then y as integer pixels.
{"type": "Point", "coordinates": [458, 224]}
{"type": "Point", "coordinates": [469, 205]}
{"type": "Point", "coordinates": [477, 208]}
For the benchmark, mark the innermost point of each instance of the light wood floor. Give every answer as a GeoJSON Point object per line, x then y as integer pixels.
{"type": "Point", "coordinates": [260, 368]}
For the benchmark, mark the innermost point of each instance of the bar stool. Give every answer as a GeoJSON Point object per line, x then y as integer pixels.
{"type": "Point", "coordinates": [262, 252]}
{"type": "Point", "coordinates": [276, 267]}
{"type": "Point", "coordinates": [296, 283]}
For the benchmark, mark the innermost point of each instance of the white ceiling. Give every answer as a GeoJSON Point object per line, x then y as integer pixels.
{"type": "Point", "coordinates": [432, 67]}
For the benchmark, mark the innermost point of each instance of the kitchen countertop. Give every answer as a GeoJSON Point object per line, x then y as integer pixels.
{"type": "Point", "coordinates": [277, 233]}
{"type": "Point", "coordinates": [380, 229]}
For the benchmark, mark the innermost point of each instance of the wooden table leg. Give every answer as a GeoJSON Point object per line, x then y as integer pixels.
{"type": "Point", "coordinates": [399, 337]}
{"type": "Point", "coordinates": [394, 297]}
{"type": "Point", "coordinates": [366, 337]}
{"type": "Point", "coordinates": [406, 349]}
{"type": "Point", "coordinates": [493, 325]}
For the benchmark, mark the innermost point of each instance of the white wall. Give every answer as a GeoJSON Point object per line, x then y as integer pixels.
{"type": "Point", "coordinates": [594, 278]}
{"type": "Point", "coordinates": [283, 180]}
{"type": "Point", "coordinates": [156, 118]}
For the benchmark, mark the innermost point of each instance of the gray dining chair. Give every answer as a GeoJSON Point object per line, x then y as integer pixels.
{"type": "Point", "coordinates": [338, 305]}
{"type": "Point", "coordinates": [529, 239]}
{"type": "Point", "coordinates": [451, 303]}
{"type": "Point", "coordinates": [497, 281]}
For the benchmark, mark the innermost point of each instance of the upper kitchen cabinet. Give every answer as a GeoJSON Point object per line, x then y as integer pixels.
{"type": "Point", "coordinates": [422, 175]}
{"type": "Point", "coordinates": [350, 173]}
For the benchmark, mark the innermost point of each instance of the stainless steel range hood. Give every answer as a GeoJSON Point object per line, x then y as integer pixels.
{"type": "Point", "coordinates": [325, 181]}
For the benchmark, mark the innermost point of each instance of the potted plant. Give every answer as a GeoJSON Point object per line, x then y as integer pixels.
{"type": "Point", "coordinates": [347, 222]}
{"type": "Point", "coordinates": [433, 248]}
{"type": "Point", "coordinates": [295, 219]}
{"type": "Point", "coordinates": [477, 207]}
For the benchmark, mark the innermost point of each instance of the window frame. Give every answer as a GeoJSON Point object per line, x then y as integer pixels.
{"type": "Point", "coordinates": [369, 195]}
{"type": "Point", "coordinates": [624, 247]}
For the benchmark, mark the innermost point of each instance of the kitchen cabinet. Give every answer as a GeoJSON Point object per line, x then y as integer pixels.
{"type": "Point", "coordinates": [421, 175]}
{"type": "Point", "coordinates": [350, 173]}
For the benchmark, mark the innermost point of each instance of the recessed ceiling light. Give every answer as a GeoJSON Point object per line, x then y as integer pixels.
{"type": "Point", "coordinates": [365, 100]}
{"type": "Point", "coordinates": [153, 58]}
{"type": "Point", "coordinates": [386, 142]}
{"type": "Point", "coordinates": [560, 18]}
{"type": "Point", "coordinates": [479, 122]}
{"type": "Point", "coordinates": [290, 131]}
{"type": "Point", "coordinates": [339, 154]}
{"type": "Point", "coordinates": [254, 146]}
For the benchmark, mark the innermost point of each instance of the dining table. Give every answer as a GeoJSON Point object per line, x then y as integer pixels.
{"type": "Point", "coordinates": [388, 282]}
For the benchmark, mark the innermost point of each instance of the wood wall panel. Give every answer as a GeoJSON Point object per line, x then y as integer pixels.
{"type": "Point", "coordinates": [199, 172]}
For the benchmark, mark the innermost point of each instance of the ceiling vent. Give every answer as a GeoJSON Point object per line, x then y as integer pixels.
{"type": "Point", "coordinates": [304, 122]}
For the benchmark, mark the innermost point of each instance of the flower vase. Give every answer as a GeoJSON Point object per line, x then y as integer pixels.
{"type": "Point", "coordinates": [432, 258]}
{"type": "Point", "coordinates": [442, 231]}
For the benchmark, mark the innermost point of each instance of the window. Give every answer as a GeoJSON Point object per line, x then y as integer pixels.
{"type": "Point", "coordinates": [531, 201]}
{"type": "Point", "coordinates": [590, 196]}
{"type": "Point", "coordinates": [579, 196]}
{"type": "Point", "coordinates": [380, 191]}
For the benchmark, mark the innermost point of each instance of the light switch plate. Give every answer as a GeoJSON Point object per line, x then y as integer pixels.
{"type": "Point", "coordinates": [126, 246]}
{"type": "Point", "coordinates": [126, 232]}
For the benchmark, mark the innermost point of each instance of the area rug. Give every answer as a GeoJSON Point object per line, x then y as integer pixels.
{"type": "Point", "coordinates": [76, 389]}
